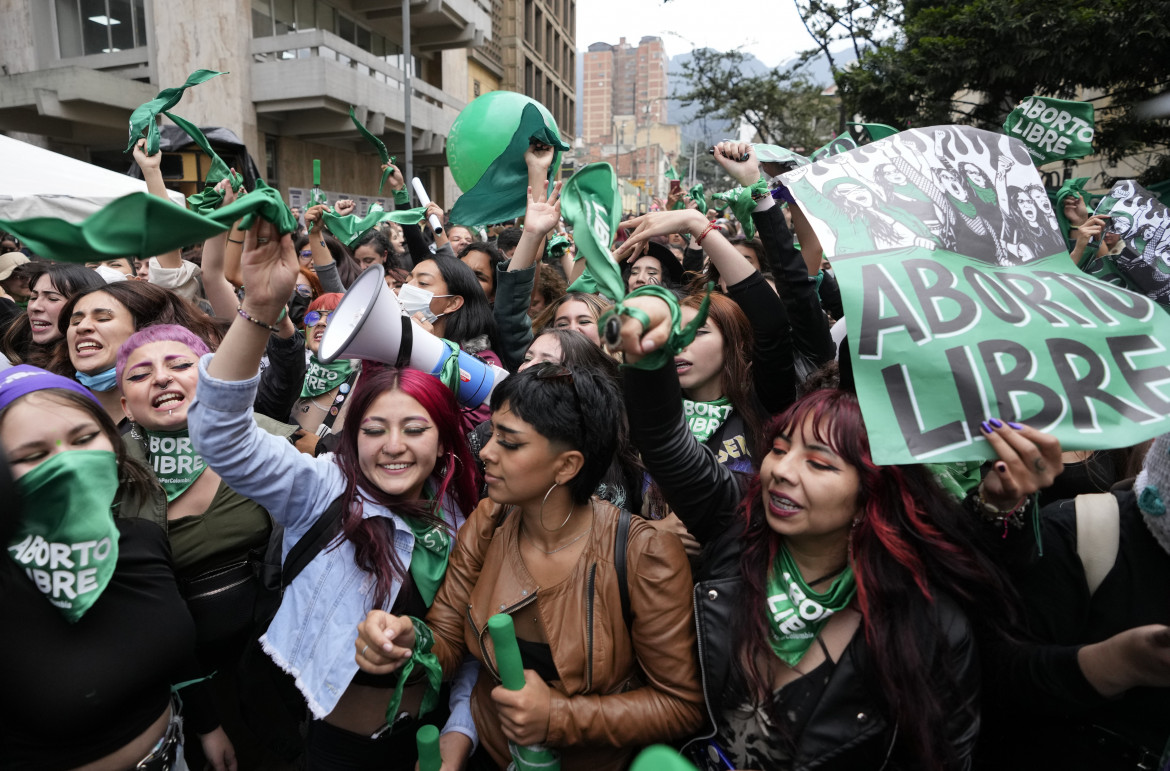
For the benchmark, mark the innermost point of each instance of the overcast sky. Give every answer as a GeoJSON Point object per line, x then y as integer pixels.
{"type": "Point", "coordinates": [771, 30]}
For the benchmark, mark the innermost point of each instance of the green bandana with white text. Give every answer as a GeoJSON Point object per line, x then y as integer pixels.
{"type": "Point", "coordinates": [322, 378]}
{"type": "Point", "coordinates": [428, 561]}
{"type": "Point", "coordinates": [796, 614]}
{"type": "Point", "coordinates": [67, 543]}
{"type": "Point", "coordinates": [705, 418]}
{"type": "Point", "coordinates": [174, 460]}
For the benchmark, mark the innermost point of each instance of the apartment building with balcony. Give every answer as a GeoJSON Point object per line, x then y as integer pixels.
{"type": "Point", "coordinates": [71, 71]}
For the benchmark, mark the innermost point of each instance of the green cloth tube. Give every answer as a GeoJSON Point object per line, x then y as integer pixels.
{"type": "Point", "coordinates": [659, 757]}
{"type": "Point", "coordinates": [429, 758]}
{"type": "Point", "coordinates": [507, 651]}
{"type": "Point", "coordinates": [316, 172]}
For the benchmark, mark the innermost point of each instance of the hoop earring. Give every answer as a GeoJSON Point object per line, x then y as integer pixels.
{"type": "Point", "coordinates": [447, 464]}
{"type": "Point", "coordinates": [567, 516]}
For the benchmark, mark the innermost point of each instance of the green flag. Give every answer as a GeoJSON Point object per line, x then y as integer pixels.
{"type": "Point", "coordinates": [1052, 129]}
{"type": "Point", "coordinates": [143, 120]}
{"type": "Point", "coordinates": [502, 192]}
{"type": "Point", "coordinates": [209, 198]}
{"type": "Point", "coordinates": [864, 133]}
{"type": "Point", "coordinates": [383, 154]}
{"type": "Point", "coordinates": [349, 229]}
{"type": "Point", "coordinates": [139, 224]}
{"type": "Point", "coordinates": [590, 203]}
{"type": "Point", "coordinates": [671, 174]}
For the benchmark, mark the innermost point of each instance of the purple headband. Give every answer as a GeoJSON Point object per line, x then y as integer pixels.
{"type": "Point", "coordinates": [24, 379]}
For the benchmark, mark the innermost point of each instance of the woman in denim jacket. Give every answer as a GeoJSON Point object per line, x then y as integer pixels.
{"type": "Point", "coordinates": [405, 478]}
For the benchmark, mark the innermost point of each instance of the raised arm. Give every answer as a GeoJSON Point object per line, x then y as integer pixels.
{"type": "Point", "coordinates": [220, 292]}
{"type": "Point", "coordinates": [152, 173]}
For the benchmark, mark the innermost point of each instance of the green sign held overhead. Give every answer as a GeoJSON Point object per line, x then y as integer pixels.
{"type": "Point", "coordinates": [943, 338]}
{"type": "Point", "coordinates": [1052, 129]}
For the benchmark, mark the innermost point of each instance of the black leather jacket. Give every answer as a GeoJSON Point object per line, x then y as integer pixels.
{"type": "Point", "coordinates": [849, 728]}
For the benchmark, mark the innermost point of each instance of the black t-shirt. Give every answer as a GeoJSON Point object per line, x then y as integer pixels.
{"type": "Point", "coordinates": [74, 693]}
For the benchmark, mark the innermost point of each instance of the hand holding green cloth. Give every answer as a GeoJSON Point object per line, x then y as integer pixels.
{"type": "Point", "coordinates": [139, 224]}
{"type": "Point", "coordinates": [264, 202]}
{"type": "Point", "coordinates": [209, 198]}
{"type": "Point", "coordinates": [590, 204]}
{"type": "Point", "coordinates": [421, 656]}
{"type": "Point", "coordinates": [143, 119]}
{"type": "Point", "coordinates": [1052, 129]}
{"type": "Point", "coordinates": [1071, 187]}
{"type": "Point", "coordinates": [699, 196]}
{"type": "Point", "coordinates": [502, 192]}
{"type": "Point", "coordinates": [778, 154]}
{"type": "Point", "coordinates": [742, 204]}
{"type": "Point", "coordinates": [680, 336]}
{"type": "Point", "coordinates": [379, 145]}
{"type": "Point", "coordinates": [349, 229]}
{"type": "Point", "coordinates": [557, 246]}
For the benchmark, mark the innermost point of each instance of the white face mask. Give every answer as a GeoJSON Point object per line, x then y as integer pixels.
{"type": "Point", "coordinates": [415, 299]}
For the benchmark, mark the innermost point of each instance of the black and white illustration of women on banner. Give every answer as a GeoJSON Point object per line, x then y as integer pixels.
{"type": "Point", "coordinates": [963, 303]}
{"type": "Point", "coordinates": [1143, 222]}
{"type": "Point", "coordinates": [966, 191]}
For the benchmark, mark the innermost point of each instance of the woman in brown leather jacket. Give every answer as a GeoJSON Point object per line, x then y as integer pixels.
{"type": "Point", "coordinates": [543, 550]}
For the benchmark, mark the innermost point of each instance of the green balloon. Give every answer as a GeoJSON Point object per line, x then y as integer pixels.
{"type": "Point", "coordinates": [483, 130]}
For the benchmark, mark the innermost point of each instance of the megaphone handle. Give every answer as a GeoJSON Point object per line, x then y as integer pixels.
{"type": "Point", "coordinates": [425, 200]}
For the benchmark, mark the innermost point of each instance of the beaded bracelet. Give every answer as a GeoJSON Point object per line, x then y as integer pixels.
{"type": "Point", "coordinates": [1013, 517]}
{"type": "Point", "coordinates": [270, 327]}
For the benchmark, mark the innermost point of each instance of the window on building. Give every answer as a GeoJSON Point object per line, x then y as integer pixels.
{"type": "Point", "coordinates": [475, 88]}
{"type": "Point", "coordinates": [88, 27]}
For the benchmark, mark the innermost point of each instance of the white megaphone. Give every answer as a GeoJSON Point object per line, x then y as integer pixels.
{"type": "Point", "coordinates": [369, 324]}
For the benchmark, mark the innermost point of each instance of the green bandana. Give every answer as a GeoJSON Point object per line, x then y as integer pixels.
{"type": "Point", "coordinates": [174, 460]}
{"type": "Point", "coordinates": [796, 614]}
{"type": "Point", "coordinates": [1052, 129]}
{"type": "Point", "coordinates": [698, 196]}
{"type": "Point", "coordinates": [742, 204]}
{"type": "Point", "coordinates": [778, 154]}
{"type": "Point", "coordinates": [671, 174]}
{"type": "Point", "coordinates": [421, 656]}
{"type": "Point", "coordinates": [557, 246]}
{"type": "Point", "coordinates": [590, 203]}
{"type": "Point", "coordinates": [965, 207]}
{"type": "Point", "coordinates": [143, 119]}
{"type": "Point", "coordinates": [501, 193]}
{"type": "Point", "coordinates": [322, 378]}
{"type": "Point", "coordinates": [985, 194]}
{"type": "Point", "coordinates": [209, 198]}
{"type": "Point", "coordinates": [1071, 188]}
{"type": "Point", "coordinates": [264, 202]}
{"type": "Point", "coordinates": [383, 154]}
{"type": "Point", "coordinates": [705, 418]}
{"type": "Point", "coordinates": [68, 543]}
{"type": "Point", "coordinates": [349, 229]}
{"type": "Point", "coordinates": [428, 561]}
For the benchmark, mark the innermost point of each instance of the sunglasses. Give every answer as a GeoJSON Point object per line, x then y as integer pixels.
{"type": "Point", "coordinates": [313, 318]}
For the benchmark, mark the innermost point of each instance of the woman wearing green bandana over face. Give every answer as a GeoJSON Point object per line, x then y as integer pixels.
{"type": "Point", "coordinates": [103, 631]}
{"type": "Point", "coordinates": [834, 594]}
{"type": "Point", "coordinates": [404, 478]}
{"type": "Point", "coordinates": [325, 393]}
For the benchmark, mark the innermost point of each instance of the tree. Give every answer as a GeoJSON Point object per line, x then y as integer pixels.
{"type": "Point", "coordinates": [782, 105]}
{"type": "Point", "coordinates": [972, 61]}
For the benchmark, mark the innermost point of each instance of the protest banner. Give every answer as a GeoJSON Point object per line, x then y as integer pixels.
{"type": "Point", "coordinates": [1052, 129]}
{"type": "Point", "coordinates": [1143, 222]}
{"type": "Point", "coordinates": [972, 309]}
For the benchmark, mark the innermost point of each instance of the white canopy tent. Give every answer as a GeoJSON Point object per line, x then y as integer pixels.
{"type": "Point", "coordinates": [41, 183]}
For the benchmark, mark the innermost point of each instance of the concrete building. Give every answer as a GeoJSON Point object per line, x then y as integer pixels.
{"type": "Point", "coordinates": [71, 71]}
{"type": "Point", "coordinates": [624, 95]}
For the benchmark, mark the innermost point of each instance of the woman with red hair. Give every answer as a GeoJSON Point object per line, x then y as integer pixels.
{"type": "Point", "coordinates": [836, 597]}
{"type": "Point", "coordinates": [327, 387]}
{"type": "Point", "coordinates": [404, 479]}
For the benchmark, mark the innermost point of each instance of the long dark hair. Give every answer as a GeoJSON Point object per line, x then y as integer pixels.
{"type": "Point", "coordinates": [148, 305]}
{"type": "Point", "coordinates": [69, 280]}
{"type": "Point", "coordinates": [910, 540]}
{"type": "Point", "coordinates": [736, 380]}
{"type": "Point", "coordinates": [474, 317]}
{"type": "Point", "coordinates": [454, 474]}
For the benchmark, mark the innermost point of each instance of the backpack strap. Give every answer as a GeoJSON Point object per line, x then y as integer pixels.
{"type": "Point", "coordinates": [621, 546]}
{"type": "Point", "coordinates": [315, 539]}
{"type": "Point", "coordinates": [1098, 536]}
